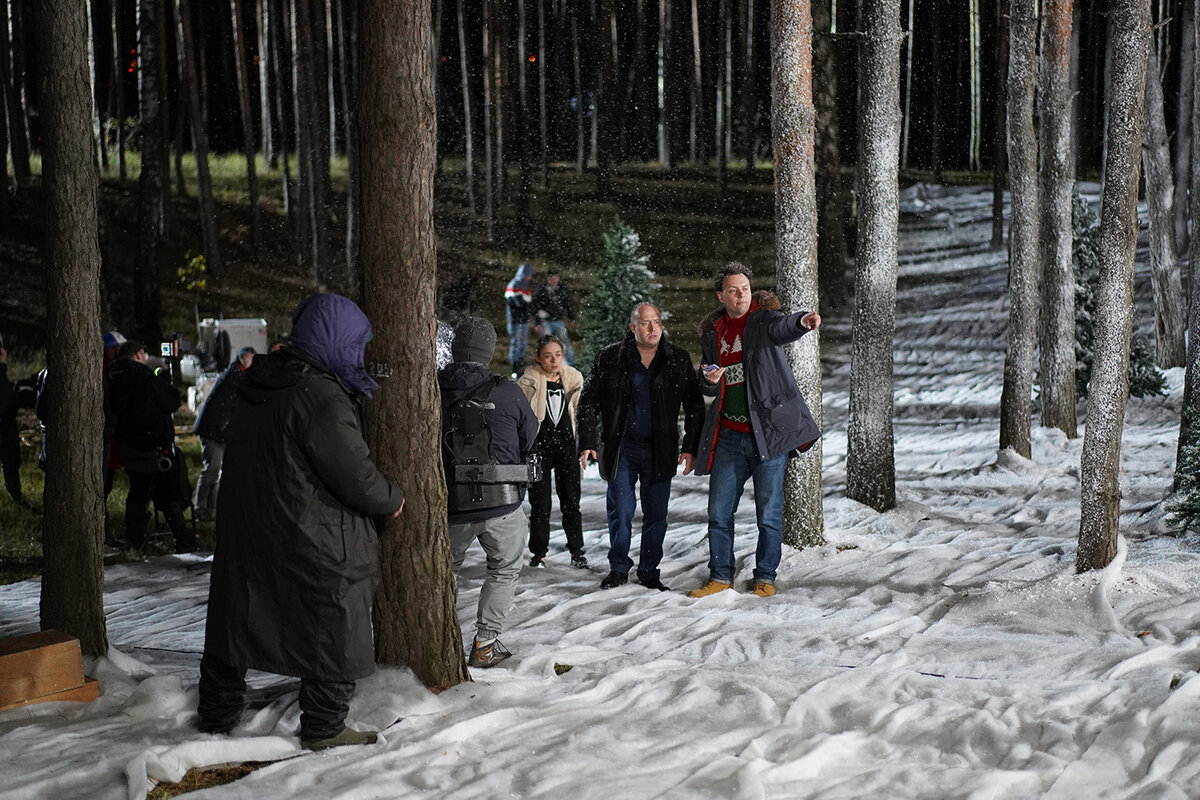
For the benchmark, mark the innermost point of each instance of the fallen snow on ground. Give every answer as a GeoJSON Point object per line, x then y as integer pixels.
{"type": "Point", "coordinates": [942, 649]}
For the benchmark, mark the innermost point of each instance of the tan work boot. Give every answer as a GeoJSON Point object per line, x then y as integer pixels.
{"type": "Point", "coordinates": [763, 589]}
{"type": "Point", "coordinates": [712, 587]}
{"type": "Point", "coordinates": [347, 736]}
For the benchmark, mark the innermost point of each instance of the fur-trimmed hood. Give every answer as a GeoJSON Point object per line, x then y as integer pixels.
{"type": "Point", "coordinates": [764, 300]}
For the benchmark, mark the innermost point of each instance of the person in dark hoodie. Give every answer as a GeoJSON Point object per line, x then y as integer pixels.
{"type": "Point", "coordinates": [297, 559]}
{"type": "Point", "coordinates": [757, 419]}
{"type": "Point", "coordinates": [144, 403]}
{"type": "Point", "coordinates": [499, 523]}
{"type": "Point", "coordinates": [211, 422]}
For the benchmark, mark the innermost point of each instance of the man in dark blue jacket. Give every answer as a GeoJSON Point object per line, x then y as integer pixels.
{"type": "Point", "coordinates": [497, 519]}
{"type": "Point", "coordinates": [756, 420]}
{"type": "Point", "coordinates": [635, 390]}
{"type": "Point", "coordinates": [211, 423]}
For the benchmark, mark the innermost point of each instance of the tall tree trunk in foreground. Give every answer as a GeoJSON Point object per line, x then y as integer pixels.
{"type": "Point", "coordinates": [1016, 398]}
{"type": "Point", "coordinates": [1189, 430]}
{"type": "Point", "coordinates": [792, 134]}
{"type": "Point", "coordinates": [1100, 495]}
{"type": "Point", "coordinates": [1055, 184]}
{"type": "Point", "coordinates": [870, 449]}
{"type": "Point", "coordinates": [415, 617]}
{"type": "Point", "coordinates": [73, 526]}
{"type": "Point", "coordinates": [1169, 308]}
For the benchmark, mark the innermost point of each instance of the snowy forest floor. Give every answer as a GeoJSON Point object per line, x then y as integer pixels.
{"type": "Point", "coordinates": [943, 649]}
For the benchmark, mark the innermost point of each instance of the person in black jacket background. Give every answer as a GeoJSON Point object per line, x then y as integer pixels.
{"type": "Point", "coordinates": [635, 390]}
{"type": "Point", "coordinates": [144, 404]}
{"type": "Point", "coordinates": [211, 422]}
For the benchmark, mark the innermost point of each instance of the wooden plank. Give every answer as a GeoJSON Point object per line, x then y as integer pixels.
{"type": "Point", "coordinates": [86, 693]}
{"type": "Point", "coordinates": [38, 664]}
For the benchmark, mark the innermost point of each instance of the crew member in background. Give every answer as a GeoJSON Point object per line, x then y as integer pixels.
{"type": "Point", "coordinates": [211, 422]}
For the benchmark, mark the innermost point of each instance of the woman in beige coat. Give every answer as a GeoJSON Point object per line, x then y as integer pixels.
{"type": "Point", "coordinates": [553, 388]}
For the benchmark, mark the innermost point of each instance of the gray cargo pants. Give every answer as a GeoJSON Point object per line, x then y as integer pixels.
{"type": "Point", "coordinates": [503, 540]}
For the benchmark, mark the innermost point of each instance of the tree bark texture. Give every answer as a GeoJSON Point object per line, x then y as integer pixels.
{"type": "Point", "coordinates": [1016, 398]}
{"type": "Point", "coordinates": [1000, 139]}
{"type": "Point", "coordinates": [1169, 311]}
{"type": "Point", "coordinates": [870, 456]}
{"type": "Point", "coordinates": [792, 135]}
{"type": "Point", "coordinates": [248, 138]}
{"type": "Point", "coordinates": [415, 615]}
{"type": "Point", "coordinates": [1055, 186]}
{"type": "Point", "coordinates": [1191, 383]}
{"type": "Point", "coordinates": [147, 290]}
{"type": "Point", "coordinates": [1184, 127]}
{"type": "Point", "coordinates": [1099, 490]}
{"type": "Point", "coordinates": [72, 598]}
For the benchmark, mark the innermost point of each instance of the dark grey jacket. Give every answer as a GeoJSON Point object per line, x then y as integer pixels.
{"type": "Point", "coordinates": [779, 417]}
{"type": "Point", "coordinates": [297, 558]}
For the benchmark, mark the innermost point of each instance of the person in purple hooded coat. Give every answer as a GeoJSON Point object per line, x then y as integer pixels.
{"type": "Point", "coordinates": [297, 558]}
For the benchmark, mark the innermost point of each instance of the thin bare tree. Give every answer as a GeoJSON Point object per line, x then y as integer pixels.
{"type": "Point", "coordinates": [1016, 398]}
{"type": "Point", "coordinates": [1099, 469]}
{"type": "Point", "coordinates": [870, 449]}
{"type": "Point", "coordinates": [1056, 182]}
{"type": "Point", "coordinates": [249, 140]}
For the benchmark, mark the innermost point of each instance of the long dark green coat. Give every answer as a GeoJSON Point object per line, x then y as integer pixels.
{"type": "Point", "coordinates": [297, 559]}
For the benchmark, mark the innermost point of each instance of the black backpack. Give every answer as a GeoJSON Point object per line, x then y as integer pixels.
{"type": "Point", "coordinates": [474, 480]}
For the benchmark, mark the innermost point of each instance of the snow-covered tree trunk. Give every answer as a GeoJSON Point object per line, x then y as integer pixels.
{"type": "Point", "coordinates": [1164, 267]}
{"type": "Point", "coordinates": [1183, 125]}
{"type": "Point", "coordinates": [1016, 398]}
{"type": "Point", "coordinates": [1100, 494]}
{"type": "Point", "coordinates": [870, 456]}
{"type": "Point", "coordinates": [1191, 382]}
{"type": "Point", "coordinates": [1055, 184]}
{"type": "Point", "coordinates": [416, 622]}
{"type": "Point", "coordinates": [792, 133]}
{"type": "Point", "coordinates": [72, 599]}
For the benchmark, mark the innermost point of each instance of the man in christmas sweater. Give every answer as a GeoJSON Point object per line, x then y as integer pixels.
{"type": "Point", "coordinates": [757, 419]}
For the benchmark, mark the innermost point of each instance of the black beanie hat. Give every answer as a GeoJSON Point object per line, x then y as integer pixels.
{"type": "Point", "coordinates": [474, 340]}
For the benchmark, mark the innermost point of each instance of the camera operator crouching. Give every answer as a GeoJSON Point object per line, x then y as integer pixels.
{"type": "Point", "coordinates": [144, 401]}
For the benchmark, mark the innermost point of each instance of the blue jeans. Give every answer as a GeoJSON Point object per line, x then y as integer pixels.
{"type": "Point", "coordinates": [518, 340]}
{"type": "Point", "coordinates": [635, 463]}
{"type": "Point", "coordinates": [736, 459]}
{"type": "Point", "coordinates": [558, 327]}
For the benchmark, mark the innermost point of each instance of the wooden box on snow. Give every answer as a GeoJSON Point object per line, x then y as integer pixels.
{"type": "Point", "coordinates": [41, 667]}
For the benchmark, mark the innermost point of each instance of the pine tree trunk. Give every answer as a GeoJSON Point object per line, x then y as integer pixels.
{"type": "Point", "coordinates": [792, 135]}
{"type": "Point", "coordinates": [606, 98]}
{"type": "Point", "coordinates": [580, 128]}
{"type": "Point", "coordinates": [1055, 185]}
{"type": "Point", "coordinates": [302, 115]}
{"type": "Point", "coordinates": [1190, 413]}
{"type": "Point", "coordinates": [1184, 130]}
{"type": "Point", "coordinates": [468, 134]}
{"type": "Point", "coordinates": [147, 292]}
{"type": "Point", "coordinates": [1016, 398]}
{"type": "Point", "coordinates": [1100, 494]}
{"type": "Point", "coordinates": [666, 105]}
{"type": "Point", "coordinates": [18, 132]}
{"type": "Point", "coordinates": [831, 200]}
{"type": "Point", "coordinates": [749, 95]}
{"type": "Point", "coordinates": [265, 109]}
{"type": "Point", "coordinates": [524, 121]}
{"type": "Point", "coordinates": [870, 450]}
{"type": "Point", "coordinates": [721, 126]}
{"type": "Point", "coordinates": [248, 138]}
{"type": "Point", "coordinates": [1169, 311]}
{"type": "Point", "coordinates": [280, 58]}
{"type": "Point", "coordinates": [416, 621]}
{"type": "Point", "coordinates": [543, 59]}
{"type": "Point", "coordinates": [72, 599]}
{"type": "Point", "coordinates": [348, 26]}
{"type": "Point", "coordinates": [489, 107]}
{"type": "Point", "coordinates": [1000, 139]}
{"type": "Point", "coordinates": [208, 208]}
{"type": "Point", "coordinates": [695, 137]}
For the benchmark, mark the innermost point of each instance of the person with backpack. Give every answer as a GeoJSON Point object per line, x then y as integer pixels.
{"type": "Point", "coordinates": [487, 428]}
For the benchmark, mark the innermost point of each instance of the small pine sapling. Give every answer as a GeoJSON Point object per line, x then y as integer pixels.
{"type": "Point", "coordinates": [624, 281]}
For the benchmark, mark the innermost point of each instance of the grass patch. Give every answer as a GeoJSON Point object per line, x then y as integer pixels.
{"type": "Point", "coordinates": [199, 778]}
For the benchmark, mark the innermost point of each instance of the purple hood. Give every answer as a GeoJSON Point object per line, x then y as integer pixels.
{"type": "Point", "coordinates": [335, 331]}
